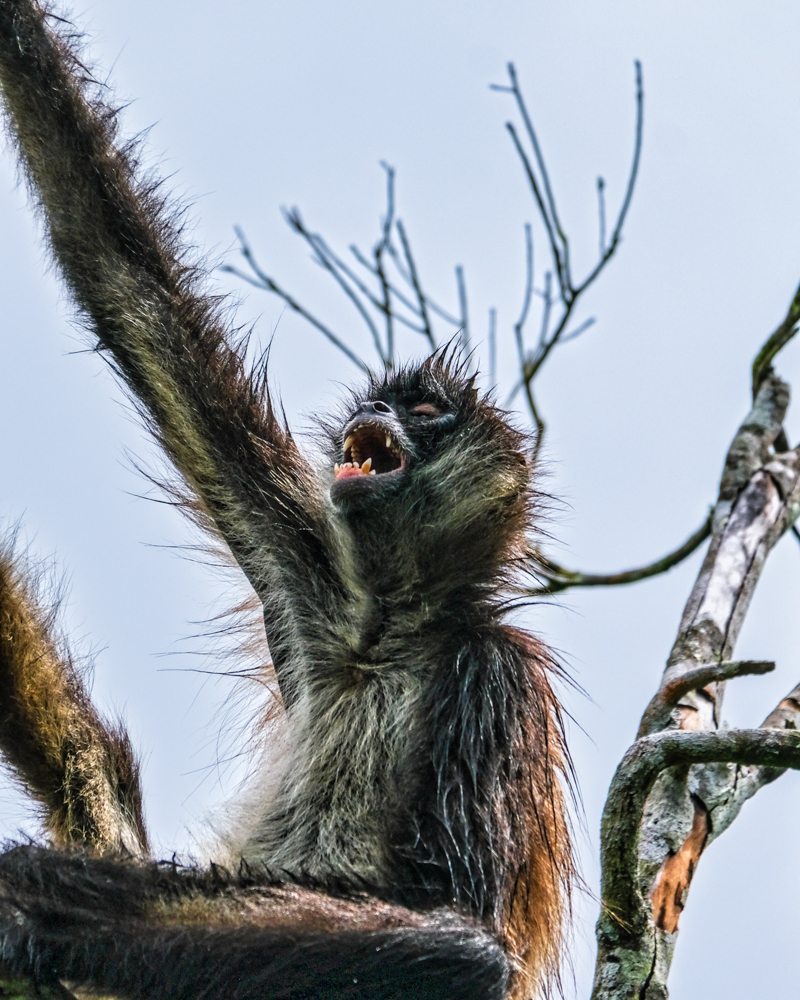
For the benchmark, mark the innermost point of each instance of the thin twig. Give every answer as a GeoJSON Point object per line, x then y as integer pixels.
{"type": "Point", "coordinates": [328, 260]}
{"type": "Point", "coordinates": [519, 326]}
{"type": "Point", "coordinates": [462, 304]}
{"type": "Point", "coordinates": [412, 271]}
{"type": "Point", "coordinates": [582, 328]}
{"type": "Point", "coordinates": [395, 292]}
{"type": "Point", "coordinates": [560, 578]}
{"type": "Point", "coordinates": [626, 201]}
{"type": "Point", "coordinates": [548, 304]}
{"type": "Point", "coordinates": [380, 248]}
{"type": "Point", "coordinates": [512, 72]}
{"type": "Point", "coordinates": [531, 364]}
{"type": "Point", "coordinates": [264, 281]}
{"type": "Point", "coordinates": [432, 305]}
{"type": "Point", "coordinates": [492, 347]}
{"type": "Point", "coordinates": [779, 339]}
{"type": "Point", "coordinates": [538, 419]}
{"type": "Point", "coordinates": [560, 255]}
{"type": "Point", "coordinates": [601, 209]}
{"type": "Point", "coordinates": [555, 250]}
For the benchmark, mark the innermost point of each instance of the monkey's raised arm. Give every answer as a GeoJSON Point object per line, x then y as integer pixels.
{"type": "Point", "coordinates": [119, 251]}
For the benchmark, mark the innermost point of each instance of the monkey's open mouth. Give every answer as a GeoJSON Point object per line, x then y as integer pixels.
{"type": "Point", "coordinates": [369, 450]}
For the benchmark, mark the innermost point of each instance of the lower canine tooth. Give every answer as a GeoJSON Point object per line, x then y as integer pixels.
{"type": "Point", "coordinates": [366, 466]}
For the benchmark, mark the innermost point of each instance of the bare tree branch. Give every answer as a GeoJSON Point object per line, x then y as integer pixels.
{"type": "Point", "coordinates": [378, 252]}
{"type": "Point", "coordinates": [569, 294]}
{"type": "Point", "coordinates": [555, 249]}
{"type": "Point", "coordinates": [559, 245]}
{"type": "Point", "coordinates": [264, 281]}
{"type": "Point", "coordinates": [462, 302]}
{"type": "Point", "coordinates": [519, 326]}
{"type": "Point", "coordinates": [397, 294]}
{"type": "Point", "coordinates": [626, 201]}
{"type": "Point", "coordinates": [784, 333]}
{"type": "Point", "coordinates": [492, 347]}
{"type": "Point", "coordinates": [574, 334]}
{"type": "Point", "coordinates": [601, 211]}
{"type": "Point", "coordinates": [630, 788]}
{"type": "Point", "coordinates": [547, 305]}
{"type": "Point", "coordinates": [412, 271]}
{"type": "Point", "coordinates": [713, 673]}
{"type": "Point", "coordinates": [325, 257]}
{"type": "Point", "coordinates": [558, 578]}
{"type": "Point", "coordinates": [658, 714]}
{"type": "Point", "coordinates": [686, 778]}
{"type": "Point", "coordinates": [393, 306]}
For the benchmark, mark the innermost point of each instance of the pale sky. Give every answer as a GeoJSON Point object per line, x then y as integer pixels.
{"type": "Point", "coordinates": [260, 105]}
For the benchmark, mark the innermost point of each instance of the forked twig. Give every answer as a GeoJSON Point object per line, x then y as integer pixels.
{"type": "Point", "coordinates": [539, 182]}
{"type": "Point", "coordinates": [389, 268]}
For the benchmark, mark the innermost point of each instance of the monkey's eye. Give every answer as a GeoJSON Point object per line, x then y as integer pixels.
{"type": "Point", "coordinates": [425, 410]}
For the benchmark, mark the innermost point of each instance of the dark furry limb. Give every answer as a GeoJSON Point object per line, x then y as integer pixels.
{"type": "Point", "coordinates": [425, 749]}
{"type": "Point", "coordinates": [94, 923]}
{"type": "Point", "coordinates": [83, 771]}
{"type": "Point", "coordinates": [118, 248]}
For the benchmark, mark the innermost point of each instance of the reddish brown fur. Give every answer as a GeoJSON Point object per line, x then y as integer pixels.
{"type": "Point", "coordinates": [538, 893]}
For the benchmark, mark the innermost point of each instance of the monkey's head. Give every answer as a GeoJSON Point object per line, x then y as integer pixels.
{"type": "Point", "coordinates": [431, 475]}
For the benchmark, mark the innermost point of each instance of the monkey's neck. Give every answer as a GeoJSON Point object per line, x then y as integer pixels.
{"type": "Point", "coordinates": [384, 623]}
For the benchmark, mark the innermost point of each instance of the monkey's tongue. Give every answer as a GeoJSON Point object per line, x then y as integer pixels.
{"type": "Point", "coordinates": [349, 469]}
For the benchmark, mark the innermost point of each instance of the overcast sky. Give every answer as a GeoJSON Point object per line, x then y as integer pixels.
{"type": "Point", "coordinates": [258, 105]}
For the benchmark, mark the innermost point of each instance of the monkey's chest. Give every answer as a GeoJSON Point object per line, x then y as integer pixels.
{"type": "Point", "coordinates": [340, 788]}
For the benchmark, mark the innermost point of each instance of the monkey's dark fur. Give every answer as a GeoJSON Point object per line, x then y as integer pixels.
{"type": "Point", "coordinates": [417, 819]}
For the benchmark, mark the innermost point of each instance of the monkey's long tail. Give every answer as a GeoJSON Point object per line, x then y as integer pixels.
{"type": "Point", "coordinates": [407, 964]}
{"type": "Point", "coordinates": [153, 931]}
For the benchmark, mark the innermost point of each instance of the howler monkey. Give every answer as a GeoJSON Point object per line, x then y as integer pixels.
{"type": "Point", "coordinates": [414, 843]}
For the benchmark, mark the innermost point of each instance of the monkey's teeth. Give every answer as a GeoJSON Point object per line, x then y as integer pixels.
{"type": "Point", "coordinates": [388, 440]}
{"type": "Point", "coordinates": [349, 441]}
{"type": "Point", "coordinates": [366, 466]}
{"type": "Point", "coordinates": [372, 472]}
{"type": "Point", "coordinates": [336, 468]}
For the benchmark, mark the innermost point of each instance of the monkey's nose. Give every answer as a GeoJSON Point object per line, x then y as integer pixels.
{"type": "Point", "coordinates": [376, 406]}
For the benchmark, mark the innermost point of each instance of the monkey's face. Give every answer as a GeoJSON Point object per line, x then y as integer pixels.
{"type": "Point", "coordinates": [385, 439]}
{"type": "Point", "coordinates": [432, 480]}
{"type": "Point", "coordinates": [420, 451]}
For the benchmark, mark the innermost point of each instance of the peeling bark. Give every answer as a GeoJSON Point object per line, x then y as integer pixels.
{"type": "Point", "coordinates": [673, 881]}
